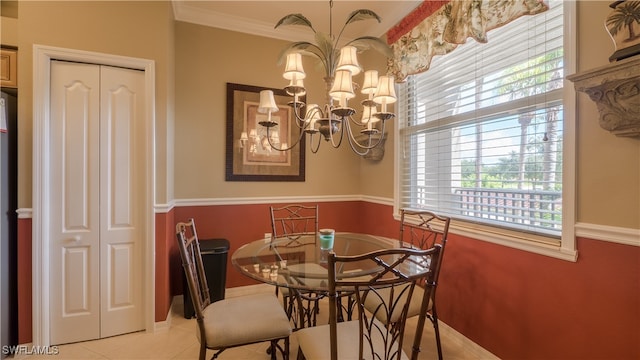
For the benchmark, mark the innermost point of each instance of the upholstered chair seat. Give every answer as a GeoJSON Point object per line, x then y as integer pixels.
{"type": "Point", "coordinates": [244, 320]}
{"type": "Point", "coordinates": [316, 342]}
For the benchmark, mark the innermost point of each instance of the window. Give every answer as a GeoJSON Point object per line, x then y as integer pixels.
{"type": "Point", "coordinates": [482, 132]}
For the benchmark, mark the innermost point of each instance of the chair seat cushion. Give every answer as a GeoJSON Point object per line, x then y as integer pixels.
{"type": "Point", "coordinates": [372, 302]}
{"type": "Point", "coordinates": [315, 342]}
{"type": "Point", "coordinates": [244, 320]}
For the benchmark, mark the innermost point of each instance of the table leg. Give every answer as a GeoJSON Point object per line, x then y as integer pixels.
{"type": "Point", "coordinates": [304, 308]}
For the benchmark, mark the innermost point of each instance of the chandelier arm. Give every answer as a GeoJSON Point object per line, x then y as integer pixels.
{"type": "Point", "coordinates": [356, 148]}
{"type": "Point", "coordinates": [355, 122]}
{"type": "Point", "coordinates": [300, 120]}
{"type": "Point", "coordinates": [269, 140]}
{"type": "Point", "coordinates": [288, 148]}
{"type": "Point", "coordinates": [301, 123]}
{"type": "Point", "coordinates": [352, 139]}
{"type": "Point", "coordinates": [333, 143]}
{"type": "Point", "coordinates": [315, 151]}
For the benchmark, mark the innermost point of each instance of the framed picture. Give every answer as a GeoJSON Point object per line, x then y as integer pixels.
{"type": "Point", "coordinates": [250, 155]}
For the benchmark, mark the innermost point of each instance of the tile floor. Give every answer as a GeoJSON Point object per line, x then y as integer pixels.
{"type": "Point", "coordinates": [180, 342]}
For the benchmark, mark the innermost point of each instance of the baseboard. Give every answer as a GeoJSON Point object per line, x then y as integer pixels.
{"type": "Point", "coordinates": [161, 326]}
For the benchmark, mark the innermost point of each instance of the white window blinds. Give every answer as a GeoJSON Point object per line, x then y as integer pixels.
{"type": "Point", "coordinates": [481, 130]}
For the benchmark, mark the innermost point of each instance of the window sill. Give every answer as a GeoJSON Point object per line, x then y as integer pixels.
{"type": "Point", "coordinates": [536, 244]}
{"type": "Point", "coordinates": [532, 243]}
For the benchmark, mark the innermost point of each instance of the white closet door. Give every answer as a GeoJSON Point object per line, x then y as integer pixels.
{"type": "Point", "coordinates": [75, 202]}
{"type": "Point", "coordinates": [121, 199]}
{"type": "Point", "coordinates": [96, 247]}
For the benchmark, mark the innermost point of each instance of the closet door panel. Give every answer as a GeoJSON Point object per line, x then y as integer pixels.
{"type": "Point", "coordinates": [74, 206]}
{"type": "Point", "coordinates": [122, 114]}
{"type": "Point", "coordinates": [96, 233]}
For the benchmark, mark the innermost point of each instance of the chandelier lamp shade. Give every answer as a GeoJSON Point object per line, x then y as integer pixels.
{"type": "Point", "coordinates": [336, 118]}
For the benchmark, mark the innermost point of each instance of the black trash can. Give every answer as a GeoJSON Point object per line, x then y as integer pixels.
{"type": "Point", "coordinates": [214, 258]}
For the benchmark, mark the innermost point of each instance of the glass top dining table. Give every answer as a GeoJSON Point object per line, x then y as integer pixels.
{"type": "Point", "coordinates": [299, 263]}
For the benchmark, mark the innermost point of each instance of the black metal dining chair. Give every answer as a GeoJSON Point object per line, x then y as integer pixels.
{"type": "Point", "coordinates": [291, 222]}
{"type": "Point", "coordinates": [423, 229]}
{"type": "Point", "coordinates": [378, 331]}
{"type": "Point", "coordinates": [231, 322]}
{"type": "Point", "coordinates": [294, 220]}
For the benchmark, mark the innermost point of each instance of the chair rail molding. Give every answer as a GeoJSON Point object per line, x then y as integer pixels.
{"type": "Point", "coordinates": [615, 88]}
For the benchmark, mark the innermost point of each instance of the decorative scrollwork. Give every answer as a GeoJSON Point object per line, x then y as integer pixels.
{"type": "Point", "coordinates": [615, 88]}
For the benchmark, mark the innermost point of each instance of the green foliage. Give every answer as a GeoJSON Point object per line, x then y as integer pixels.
{"type": "Point", "coordinates": [362, 14]}
{"type": "Point", "coordinates": [529, 78]}
{"type": "Point", "coordinates": [295, 19]}
{"type": "Point", "coordinates": [504, 174]}
{"type": "Point", "coordinates": [370, 42]}
{"type": "Point", "coordinates": [303, 47]}
{"type": "Point", "coordinates": [326, 46]}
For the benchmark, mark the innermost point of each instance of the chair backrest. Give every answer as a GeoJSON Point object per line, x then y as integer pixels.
{"type": "Point", "coordinates": [193, 266]}
{"type": "Point", "coordinates": [293, 221]}
{"type": "Point", "coordinates": [397, 273]}
{"type": "Point", "coordinates": [423, 229]}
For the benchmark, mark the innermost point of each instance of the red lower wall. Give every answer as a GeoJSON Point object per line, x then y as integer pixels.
{"type": "Point", "coordinates": [25, 328]}
{"type": "Point", "coordinates": [165, 250]}
{"type": "Point", "coordinates": [520, 305]}
{"type": "Point", "coordinates": [241, 224]}
{"type": "Point", "coordinates": [516, 304]}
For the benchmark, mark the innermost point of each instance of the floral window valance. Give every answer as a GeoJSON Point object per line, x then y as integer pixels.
{"type": "Point", "coordinates": [438, 27]}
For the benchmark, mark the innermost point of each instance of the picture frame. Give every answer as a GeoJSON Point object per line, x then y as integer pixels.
{"type": "Point", "coordinates": [249, 156]}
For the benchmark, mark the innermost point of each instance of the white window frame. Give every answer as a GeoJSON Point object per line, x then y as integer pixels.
{"type": "Point", "coordinates": [538, 244]}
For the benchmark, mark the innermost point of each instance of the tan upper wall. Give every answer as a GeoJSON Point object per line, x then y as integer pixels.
{"type": "Point", "coordinates": [136, 29]}
{"type": "Point", "coordinates": [376, 177]}
{"type": "Point", "coordinates": [8, 31]}
{"type": "Point", "coordinates": [608, 176]}
{"type": "Point", "coordinates": [9, 8]}
{"type": "Point", "coordinates": [207, 59]}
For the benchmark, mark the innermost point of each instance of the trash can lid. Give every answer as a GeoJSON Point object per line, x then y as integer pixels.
{"type": "Point", "coordinates": [214, 245]}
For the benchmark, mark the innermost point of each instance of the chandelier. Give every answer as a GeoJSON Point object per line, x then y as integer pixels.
{"type": "Point", "coordinates": [335, 118]}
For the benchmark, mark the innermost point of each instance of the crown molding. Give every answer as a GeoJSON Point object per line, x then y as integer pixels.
{"type": "Point", "coordinates": [183, 11]}
{"type": "Point", "coordinates": [391, 12]}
